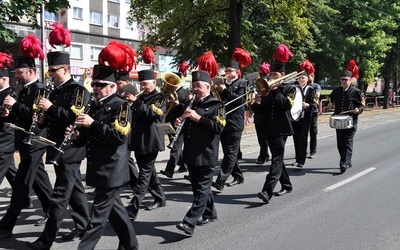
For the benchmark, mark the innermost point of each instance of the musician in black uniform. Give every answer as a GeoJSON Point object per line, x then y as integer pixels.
{"type": "Point", "coordinates": [65, 103]}
{"type": "Point", "coordinates": [302, 125]}
{"type": "Point", "coordinates": [123, 80]}
{"type": "Point", "coordinates": [105, 131]}
{"type": "Point", "coordinates": [315, 114]}
{"type": "Point", "coordinates": [177, 107]}
{"type": "Point", "coordinates": [278, 127]}
{"type": "Point", "coordinates": [232, 134]}
{"type": "Point", "coordinates": [346, 98]}
{"type": "Point", "coordinates": [7, 165]}
{"type": "Point", "coordinates": [204, 122]}
{"type": "Point", "coordinates": [146, 141]}
{"type": "Point", "coordinates": [31, 172]}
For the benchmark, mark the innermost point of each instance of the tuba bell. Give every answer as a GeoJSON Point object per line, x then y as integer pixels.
{"type": "Point", "coordinates": [171, 82]}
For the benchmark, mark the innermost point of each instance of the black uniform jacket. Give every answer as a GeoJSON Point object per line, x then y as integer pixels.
{"type": "Point", "coordinates": [178, 110]}
{"type": "Point", "coordinates": [235, 119]}
{"type": "Point", "coordinates": [106, 143]}
{"type": "Point", "coordinates": [22, 113]}
{"type": "Point", "coordinates": [201, 139]}
{"type": "Point", "coordinates": [6, 132]}
{"type": "Point", "coordinates": [274, 106]}
{"type": "Point", "coordinates": [147, 110]}
{"type": "Point", "coordinates": [59, 116]}
{"type": "Point", "coordinates": [347, 100]}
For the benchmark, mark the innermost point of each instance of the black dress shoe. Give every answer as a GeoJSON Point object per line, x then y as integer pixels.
{"type": "Point", "coordinates": [260, 161]}
{"type": "Point", "coordinates": [75, 233]}
{"type": "Point", "coordinates": [185, 228]}
{"type": "Point", "coordinates": [263, 196]}
{"type": "Point", "coordinates": [234, 182]}
{"type": "Point", "coordinates": [41, 222]}
{"type": "Point", "coordinates": [132, 212]}
{"type": "Point", "coordinates": [121, 247]}
{"type": "Point", "coordinates": [186, 177]}
{"type": "Point", "coordinates": [217, 186]}
{"type": "Point", "coordinates": [4, 234]}
{"type": "Point", "coordinates": [169, 175]}
{"type": "Point", "coordinates": [37, 245]}
{"type": "Point", "coordinates": [282, 192]}
{"type": "Point", "coordinates": [182, 169]}
{"type": "Point", "coordinates": [343, 167]}
{"type": "Point", "coordinates": [205, 221]}
{"type": "Point", "coordinates": [155, 206]}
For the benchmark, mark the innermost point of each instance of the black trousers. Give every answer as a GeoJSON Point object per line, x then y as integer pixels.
{"type": "Point", "coordinates": [300, 129]}
{"type": "Point", "coordinates": [133, 173]}
{"type": "Point", "coordinates": [107, 204]}
{"type": "Point", "coordinates": [31, 173]}
{"type": "Point", "coordinates": [175, 156]}
{"type": "Point", "coordinates": [148, 180]}
{"type": "Point", "coordinates": [313, 133]}
{"type": "Point", "coordinates": [68, 189]}
{"type": "Point", "coordinates": [262, 141]}
{"type": "Point", "coordinates": [203, 199]}
{"type": "Point", "coordinates": [344, 139]}
{"type": "Point", "coordinates": [7, 167]}
{"type": "Point", "coordinates": [230, 142]}
{"type": "Point", "coordinates": [277, 170]}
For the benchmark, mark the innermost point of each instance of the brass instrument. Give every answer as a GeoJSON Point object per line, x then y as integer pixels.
{"type": "Point", "coordinates": [12, 94]}
{"type": "Point", "coordinates": [170, 80]}
{"type": "Point", "coordinates": [42, 93]}
{"type": "Point", "coordinates": [264, 86]}
{"type": "Point", "coordinates": [215, 82]}
{"type": "Point", "coordinates": [179, 128]}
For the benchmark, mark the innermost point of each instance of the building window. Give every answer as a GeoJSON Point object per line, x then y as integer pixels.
{"type": "Point", "coordinates": [113, 21]}
{"type": "Point", "coordinates": [76, 51]}
{"type": "Point", "coordinates": [96, 18]}
{"type": "Point", "coordinates": [94, 53]}
{"type": "Point", "coordinates": [77, 13]}
{"type": "Point", "coordinates": [53, 17]}
{"type": "Point", "coordinates": [114, 1]}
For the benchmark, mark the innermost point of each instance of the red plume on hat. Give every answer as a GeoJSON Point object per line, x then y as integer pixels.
{"type": "Point", "coordinates": [307, 66]}
{"type": "Point", "coordinates": [183, 68]}
{"type": "Point", "coordinates": [264, 68]}
{"type": "Point", "coordinates": [282, 54]}
{"type": "Point", "coordinates": [242, 57]}
{"type": "Point", "coordinates": [353, 68]}
{"type": "Point", "coordinates": [118, 56]}
{"type": "Point", "coordinates": [59, 35]}
{"type": "Point", "coordinates": [148, 55]}
{"type": "Point", "coordinates": [5, 60]}
{"type": "Point", "coordinates": [208, 63]}
{"type": "Point", "coordinates": [31, 47]}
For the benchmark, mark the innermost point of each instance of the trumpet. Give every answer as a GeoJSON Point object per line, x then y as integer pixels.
{"type": "Point", "coordinates": [264, 86]}
{"type": "Point", "coordinates": [179, 128]}
{"type": "Point", "coordinates": [67, 138]}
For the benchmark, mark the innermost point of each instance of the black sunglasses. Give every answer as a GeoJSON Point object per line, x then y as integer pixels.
{"type": "Point", "coordinates": [344, 79]}
{"type": "Point", "coordinates": [99, 84]}
{"type": "Point", "coordinates": [54, 69]}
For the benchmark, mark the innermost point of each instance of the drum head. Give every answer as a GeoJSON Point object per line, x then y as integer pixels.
{"type": "Point", "coordinates": [297, 108]}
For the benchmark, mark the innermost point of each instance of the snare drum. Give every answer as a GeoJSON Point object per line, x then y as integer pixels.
{"type": "Point", "coordinates": [341, 121]}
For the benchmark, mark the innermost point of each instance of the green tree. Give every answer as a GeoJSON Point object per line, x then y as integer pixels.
{"type": "Point", "coordinates": [15, 10]}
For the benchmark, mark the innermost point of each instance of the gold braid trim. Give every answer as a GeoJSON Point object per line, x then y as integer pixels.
{"type": "Point", "coordinates": [156, 110]}
{"type": "Point", "coordinates": [291, 101]}
{"type": "Point", "coordinates": [77, 111]}
{"type": "Point", "coordinates": [316, 100]}
{"type": "Point", "coordinates": [123, 129]}
{"type": "Point", "coordinates": [220, 119]}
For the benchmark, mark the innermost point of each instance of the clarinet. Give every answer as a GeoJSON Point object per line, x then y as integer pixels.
{"type": "Point", "coordinates": [67, 138]}
{"type": "Point", "coordinates": [36, 114]}
{"type": "Point", "coordinates": [12, 94]}
{"type": "Point", "coordinates": [179, 128]}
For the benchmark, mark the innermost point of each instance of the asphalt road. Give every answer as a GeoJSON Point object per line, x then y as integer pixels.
{"type": "Point", "coordinates": [326, 210]}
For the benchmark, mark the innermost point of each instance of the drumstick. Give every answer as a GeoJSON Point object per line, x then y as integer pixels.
{"type": "Point", "coordinates": [348, 111]}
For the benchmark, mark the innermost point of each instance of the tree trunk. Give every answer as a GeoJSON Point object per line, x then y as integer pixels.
{"type": "Point", "coordinates": [235, 19]}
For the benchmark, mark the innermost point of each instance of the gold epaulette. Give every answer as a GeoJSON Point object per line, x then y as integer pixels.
{"type": "Point", "coordinates": [156, 109]}
{"type": "Point", "coordinates": [77, 111]}
{"type": "Point", "coordinates": [316, 100]}
{"type": "Point", "coordinates": [122, 124]}
{"type": "Point", "coordinates": [221, 116]}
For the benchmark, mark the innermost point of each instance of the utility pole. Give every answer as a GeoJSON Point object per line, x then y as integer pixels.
{"type": "Point", "coordinates": [42, 39]}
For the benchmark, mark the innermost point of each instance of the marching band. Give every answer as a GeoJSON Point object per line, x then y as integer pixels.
{"type": "Point", "coordinates": [70, 125]}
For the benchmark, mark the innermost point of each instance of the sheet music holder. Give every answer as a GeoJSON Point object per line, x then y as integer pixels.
{"type": "Point", "coordinates": [166, 128]}
{"type": "Point", "coordinates": [130, 88]}
{"type": "Point", "coordinates": [15, 127]}
{"type": "Point", "coordinates": [43, 141]}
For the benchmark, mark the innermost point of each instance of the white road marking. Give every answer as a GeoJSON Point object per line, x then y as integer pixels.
{"type": "Point", "coordinates": [339, 184]}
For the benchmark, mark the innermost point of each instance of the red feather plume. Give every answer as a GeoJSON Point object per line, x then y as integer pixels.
{"type": "Point", "coordinates": [307, 66]}
{"type": "Point", "coordinates": [183, 68]}
{"type": "Point", "coordinates": [59, 35]}
{"type": "Point", "coordinates": [148, 55]}
{"type": "Point", "coordinates": [353, 68]}
{"type": "Point", "coordinates": [208, 63]}
{"type": "Point", "coordinates": [282, 54]}
{"type": "Point", "coordinates": [31, 47]}
{"type": "Point", "coordinates": [264, 68]}
{"type": "Point", "coordinates": [5, 60]}
{"type": "Point", "coordinates": [118, 56]}
{"type": "Point", "coordinates": [242, 57]}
